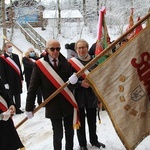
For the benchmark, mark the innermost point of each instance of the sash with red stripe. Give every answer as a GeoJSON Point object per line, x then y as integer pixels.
{"type": "Point", "coordinates": [31, 59]}
{"type": "Point", "coordinates": [57, 82]}
{"type": "Point", "coordinates": [77, 65]}
{"type": "Point", "coordinates": [11, 63]}
{"type": "Point", "coordinates": [3, 104]}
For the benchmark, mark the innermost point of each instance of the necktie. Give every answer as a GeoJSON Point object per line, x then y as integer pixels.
{"type": "Point", "coordinates": [55, 64]}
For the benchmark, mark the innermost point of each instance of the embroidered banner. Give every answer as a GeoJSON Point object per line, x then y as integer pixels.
{"type": "Point", "coordinates": [123, 84]}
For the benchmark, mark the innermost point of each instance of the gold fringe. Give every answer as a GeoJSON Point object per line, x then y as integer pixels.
{"type": "Point", "coordinates": [23, 148]}
{"type": "Point", "coordinates": [76, 126]}
{"type": "Point", "coordinates": [100, 122]}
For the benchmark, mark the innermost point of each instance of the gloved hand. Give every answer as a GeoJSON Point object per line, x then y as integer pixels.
{"type": "Point", "coordinates": [29, 114]}
{"type": "Point", "coordinates": [6, 86]}
{"type": "Point", "coordinates": [6, 115]}
{"type": "Point", "coordinates": [73, 79]}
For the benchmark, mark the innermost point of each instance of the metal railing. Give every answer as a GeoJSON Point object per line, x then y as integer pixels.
{"type": "Point", "coordinates": [36, 34]}
{"type": "Point", "coordinates": [32, 36]}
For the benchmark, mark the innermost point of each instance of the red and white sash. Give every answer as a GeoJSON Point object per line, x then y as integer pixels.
{"type": "Point", "coordinates": [76, 64]}
{"type": "Point", "coordinates": [3, 104]}
{"type": "Point", "coordinates": [31, 59]}
{"type": "Point", "coordinates": [58, 82]}
{"type": "Point", "coordinates": [11, 63]}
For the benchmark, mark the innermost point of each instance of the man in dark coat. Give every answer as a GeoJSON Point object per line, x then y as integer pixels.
{"type": "Point", "coordinates": [59, 109]}
{"type": "Point", "coordinates": [28, 62]}
{"type": "Point", "coordinates": [9, 139]}
{"type": "Point", "coordinates": [11, 74]}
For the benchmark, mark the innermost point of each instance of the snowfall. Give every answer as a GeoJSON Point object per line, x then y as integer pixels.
{"type": "Point", "coordinates": [37, 134]}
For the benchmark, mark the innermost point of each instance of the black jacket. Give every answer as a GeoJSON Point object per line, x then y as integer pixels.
{"type": "Point", "coordinates": [85, 97]}
{"type": "Point", "coordinates": [9, 139]}
{"type": "Point", "coordinates": [10, 76]}
{"type": "Point", "coordinates": [59, 105]}
{"type": "Point", "coordinates": [28, 67]}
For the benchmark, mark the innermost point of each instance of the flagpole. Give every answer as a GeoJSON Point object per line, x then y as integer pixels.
{"type": "Point", "coordinates": [96, 58]}
{"type": "Point", "coordinates": [99, 30]}
{"type": "Point", "coordinates": [80, 72]}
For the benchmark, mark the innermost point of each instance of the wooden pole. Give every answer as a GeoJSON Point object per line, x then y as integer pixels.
{"type": "Point", "coordinates": [80, 72]}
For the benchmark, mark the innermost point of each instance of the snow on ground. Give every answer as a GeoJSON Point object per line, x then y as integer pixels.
{"type": "Point", "coordinates": [36, 133]}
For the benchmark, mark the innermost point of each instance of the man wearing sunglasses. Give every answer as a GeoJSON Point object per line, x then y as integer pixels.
{"type": "Point", "coordinates": [50, 72]}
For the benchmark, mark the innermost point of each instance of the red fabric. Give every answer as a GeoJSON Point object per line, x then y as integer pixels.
{"type": "Point", "coordinates": [55, 83]}
{"type": "Point", "coordinates": [76, 67]}
{"type": "Point", "coordinates": [99, 49]}
{"type": "Point", "coordinates": [3, 107]}
{"type": "Point", "coordinates": [11, 65]}
{"type": "Point", "coordinates": [139, 28]}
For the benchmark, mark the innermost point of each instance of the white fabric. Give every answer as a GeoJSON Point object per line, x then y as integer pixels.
{"type": "Point", "coordinates": [73, 79]}
{"type": "Point", "coordinates": [6, 115]}
{"type": "Point", "coordinates": [29, 114]}
{"type": "Point", "coordinates": [6, 86]}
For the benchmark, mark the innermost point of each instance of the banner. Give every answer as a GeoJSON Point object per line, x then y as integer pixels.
{"type": "Point", "coordinates": [131, 23]}
{"type": "Point", "coordinates": [139, 28]}
{"type": "Point", "coordinates": [103, 39]}
{"type": "Point", "coordinates": [123, 84]}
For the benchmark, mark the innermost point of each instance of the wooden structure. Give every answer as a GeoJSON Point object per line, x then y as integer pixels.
{"type": "Point", "coordinates": [68, 15]}
{"type": "Point", "coordinates": [32, 36]}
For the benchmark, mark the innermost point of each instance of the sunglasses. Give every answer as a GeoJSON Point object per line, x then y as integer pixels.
{"type": "Point", "coordinates": [53, 49]}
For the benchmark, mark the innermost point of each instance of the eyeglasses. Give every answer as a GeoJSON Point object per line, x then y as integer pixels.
{"type": "Point", "coordinates": [83, 47]}
{"type": "Point", "coordinates": [53, 49]}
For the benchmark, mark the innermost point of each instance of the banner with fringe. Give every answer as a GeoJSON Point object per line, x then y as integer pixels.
{"type": "Point", "coordinates": [122, 82]}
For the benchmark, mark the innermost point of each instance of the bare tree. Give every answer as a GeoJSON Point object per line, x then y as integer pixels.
{"type": "Point", "coordinates": [3, 19]}
{"type": "Point", "coordinates": [0, 12]}
{"type": "Point", "coordinates": [59, 17]}
{"type": "Point", "coordinates": [98, 7]}
{"type": "Point", "coordinates": [84, 13]}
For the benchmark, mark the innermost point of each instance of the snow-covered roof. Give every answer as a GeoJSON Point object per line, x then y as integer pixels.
{"type": "Point", "coordinates": [51, 14]}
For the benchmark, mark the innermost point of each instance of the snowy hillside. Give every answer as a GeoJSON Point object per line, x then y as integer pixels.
{"type": "Point", "coordinates": [117, 13]}
{"type": "Point", "coordinates": [36, 134]}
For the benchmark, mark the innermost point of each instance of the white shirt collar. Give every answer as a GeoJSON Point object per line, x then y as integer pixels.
{"type": "Point", "coordinates": [8, 54]}
{"type": "Point", "coordinates": [51, 59]}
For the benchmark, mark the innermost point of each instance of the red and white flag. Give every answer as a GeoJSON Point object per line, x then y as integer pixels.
{"type": "Point", "coordinates": [131, 23]}
{"type": "Point", "coordinates": [139, 28]}
{"type": "Point", "coordinates": [103, 39]}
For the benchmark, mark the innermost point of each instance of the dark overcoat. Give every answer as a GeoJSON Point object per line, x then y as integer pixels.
{"type": "Point", "coordinates": [28, 67]}
{"type": "Point", "coordinates": [59, 106]}
{"type": "Point", "coordinates": [9, 139]}
{"type": "Point", "coordinates": [10, 76]}
{"type": "Point", "coordinates": [85, 97]}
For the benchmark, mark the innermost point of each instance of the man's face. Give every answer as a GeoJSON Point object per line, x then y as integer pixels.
{"type": "Point", "coordinates": [53, 48]}
{"type": "Point", "coordinates": [8, 48]}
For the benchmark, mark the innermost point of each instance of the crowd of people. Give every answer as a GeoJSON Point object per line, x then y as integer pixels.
{"type": "Point", "coordinates": [44, 74]}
